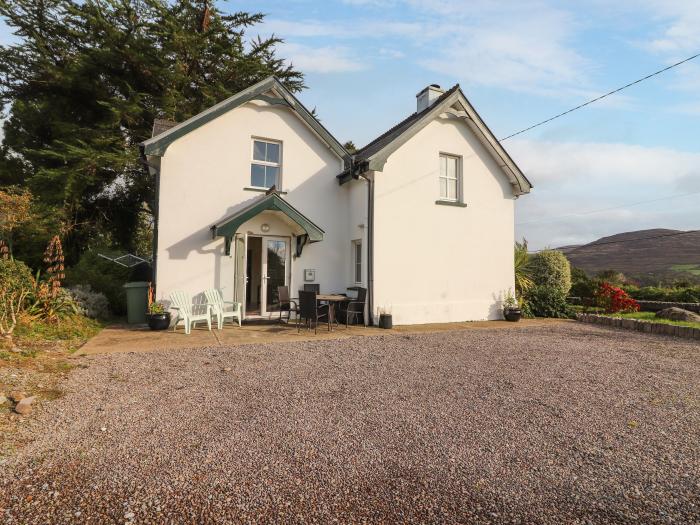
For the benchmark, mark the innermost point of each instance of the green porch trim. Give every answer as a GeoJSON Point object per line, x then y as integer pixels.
{"type": "Point", "coordinates": [156, 146]}
{"type": "Point", "coordinates": [272, 202]}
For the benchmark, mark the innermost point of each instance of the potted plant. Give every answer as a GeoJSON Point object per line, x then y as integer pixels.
{"type": "Point", "coordinates": [158, 317]}
{"type": "Point", "coordinates": [511, 309]}
{"type": "Point", "coordinates": [385, 319]}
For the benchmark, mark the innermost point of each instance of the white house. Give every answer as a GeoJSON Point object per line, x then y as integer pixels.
{"type": "Point", "coordinates": [255, 193]}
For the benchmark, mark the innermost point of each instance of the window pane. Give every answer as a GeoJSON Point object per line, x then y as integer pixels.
{"type": "Point", "coordinates": [258, 150]}
{"type": "Point", "coordinates": [451, 168]}
{"type": "Point", "coordinates": [443, 165]}
{"type": "Point", "coordinates": [257, 175]}
{"type": "Point", "coordinates": [271, 174]}
{"type": "Point", "coordinates": [452, 189]}
{"type": "Point", "coordinates": [443, 188]}
{"type": "Point", "coordinates": [273, 152]}
{"type": "Point", "coordinates": [358, 252]}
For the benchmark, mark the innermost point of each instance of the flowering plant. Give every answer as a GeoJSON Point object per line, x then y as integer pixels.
{"type": "Point", "coordinates": [614, 299]}
{"type": "Point", "coordinates": [156, 308]}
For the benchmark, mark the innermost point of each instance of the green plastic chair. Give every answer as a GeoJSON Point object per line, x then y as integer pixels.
{"type": "Point", "coordinates": [223, 309]}
{"type": "Point", "coordinates": [182, 302]}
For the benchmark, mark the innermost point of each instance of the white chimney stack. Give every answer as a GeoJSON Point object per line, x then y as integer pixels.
{"type": "Point", "coordinates": [427, 96]}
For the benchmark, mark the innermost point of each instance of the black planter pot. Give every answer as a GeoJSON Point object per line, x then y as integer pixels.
{"type": "Point", "coordinates": [385, 321]}
{"type": "Point", "coordinates": [512, 314]}
{"type": "Point", "coordinates": [158, 321]}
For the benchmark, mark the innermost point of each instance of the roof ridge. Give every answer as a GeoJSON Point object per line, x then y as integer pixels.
{"type": "Point", "coordinates": [414, 115]}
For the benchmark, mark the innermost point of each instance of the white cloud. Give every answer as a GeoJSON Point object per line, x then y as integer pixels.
{"type": "Point", "coordinates": [327, 59]}
{"type": "Point", "coordinates": [679, 21]}
{"type": "Point", "coordinates": [586, 190]}
{"type": "Point", "coordinates": [523, 46]}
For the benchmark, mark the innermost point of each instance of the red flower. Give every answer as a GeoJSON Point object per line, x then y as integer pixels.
{"type": "Point", "coordinates": [615, 299]}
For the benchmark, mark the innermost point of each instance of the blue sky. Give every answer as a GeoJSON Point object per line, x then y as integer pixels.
{"type": "Point", "coordinates": [520, 62]}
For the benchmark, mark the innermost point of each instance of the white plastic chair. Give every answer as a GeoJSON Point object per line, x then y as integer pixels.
{"type": "Point", "coordinates": [221, 308]}
{"type": "Point", "coordinates": [185, 311]}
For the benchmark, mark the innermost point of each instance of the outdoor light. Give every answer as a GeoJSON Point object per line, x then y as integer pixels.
{"type": "Point", "coordinates": [265, 228]}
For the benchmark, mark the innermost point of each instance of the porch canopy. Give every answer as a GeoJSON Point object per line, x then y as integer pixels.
{"type": "Point", "coordinates": [271, 201]}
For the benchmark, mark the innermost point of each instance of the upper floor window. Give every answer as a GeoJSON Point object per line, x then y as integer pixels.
{"type": "Point", "coordinates": [266, 164]}
{"type": "Point", "coordinates": [450, 178]}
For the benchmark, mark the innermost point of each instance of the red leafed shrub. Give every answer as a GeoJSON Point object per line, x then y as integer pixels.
{"type": "Point", "coordinates": [615, 299]}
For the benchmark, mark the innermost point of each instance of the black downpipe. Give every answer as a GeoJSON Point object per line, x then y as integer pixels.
{"type": "Point", "coordinates": [370, 249]}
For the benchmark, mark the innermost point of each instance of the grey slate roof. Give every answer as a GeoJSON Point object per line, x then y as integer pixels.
{"type": "Point", "coordinates": [385, 138]}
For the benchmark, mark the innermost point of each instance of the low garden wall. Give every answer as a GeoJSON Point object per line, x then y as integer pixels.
{"type": "Point", "coordinates": [639, 325]}
{"type": "Point", "coordinates": [655, 306]}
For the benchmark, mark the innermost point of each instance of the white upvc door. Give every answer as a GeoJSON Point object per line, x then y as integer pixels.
{"type": "Point", "coordinates": [275, 272]}
{"type": "Point", "coordinates": [241, 277]}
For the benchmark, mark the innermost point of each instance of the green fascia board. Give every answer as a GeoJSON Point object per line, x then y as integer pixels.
{"type": "Point", "coordinates": [156, 146]}
{"type": "Point", "coordinates": [273, 202]}
{"type": "Point", "coordinates": [518, 180]}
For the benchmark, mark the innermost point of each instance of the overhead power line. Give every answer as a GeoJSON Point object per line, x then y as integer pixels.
{"type": "Point", "coordinates": [622, 241]}
{"type": "Point", "coordinates": [548, 219]}
{"type": "Point", "coordinates": [602, 96]}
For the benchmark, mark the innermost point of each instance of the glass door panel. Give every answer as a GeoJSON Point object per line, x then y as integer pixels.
{"type": "Point", "coordinates": [274, 272]}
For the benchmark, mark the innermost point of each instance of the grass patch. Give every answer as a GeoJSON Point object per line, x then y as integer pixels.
{"type": "Point", "coordinates": [650, 316]}
{"type": "Point", "coordinates": [71, 328]}
{"type": "Point", "coordinates": [689, 268]}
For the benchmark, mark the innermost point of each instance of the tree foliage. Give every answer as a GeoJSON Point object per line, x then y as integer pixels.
{"type": "Point", "coordinates": [523, 269]}
{"type": "Point", "coordinates": [83, 83]}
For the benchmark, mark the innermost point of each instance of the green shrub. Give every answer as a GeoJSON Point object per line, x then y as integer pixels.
{"type": "Point", "coordinates": [655, 293]}
{"type": "Point", "coordinates": [581, 285]}
{"type": "Point", "coordinates": [548, 301]}
{"type": "Point", "coordinates": [102, 276]}
{"type": "Point", "coordinates": [15, 275]}
{"type": "Point", "coordinates": [550, 268]}
{"type": "Point", "coordinates": [91, 304]}
{"type": "Point", "coordinates": [16, 286]}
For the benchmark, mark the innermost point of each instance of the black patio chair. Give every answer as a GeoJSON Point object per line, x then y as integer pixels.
{"type": "Point", "coordinates": [312, 288]}
{"type": "Point", "coordinates": [354, 308]}
{"type": "Point", "coordinates": [309, 309]}
{"type": "Point", "coordinates": [287, 304]}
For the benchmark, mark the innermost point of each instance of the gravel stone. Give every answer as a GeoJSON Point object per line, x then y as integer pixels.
{"type": "Point", "coordinates": [24, 407]}
{"type": "Point", "coordinates": [17, 396]}
{"type": "Point", "coordinates": [568, 423]}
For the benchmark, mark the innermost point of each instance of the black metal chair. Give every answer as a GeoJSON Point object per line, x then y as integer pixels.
{"type": "Point", "coordinates": [287, 304]}
{"type": "Point", "coordinates": [309, 309]}
{"type": "Point", "coordinates": [312, 288]}
{"type": "Point", "coordinates": [355, 307]}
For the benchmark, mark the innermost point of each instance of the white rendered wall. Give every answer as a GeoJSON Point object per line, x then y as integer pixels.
{"type": "Point", "coordinates": [203, 176]}
{"type": "Point", "coordinates": [436, 263]}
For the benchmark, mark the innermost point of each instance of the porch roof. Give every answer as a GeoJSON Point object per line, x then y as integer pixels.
{"type": "Point", "coordinates": [271, 201]}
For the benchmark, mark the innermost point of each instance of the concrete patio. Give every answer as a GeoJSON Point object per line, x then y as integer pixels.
{"type": "Point", "coordinates": [126, 338]}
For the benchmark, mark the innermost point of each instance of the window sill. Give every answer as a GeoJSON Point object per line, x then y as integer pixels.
{"type": "Point", "coordinates": [261, 190]}
{"type": "Point", "coordinates": [451, 203]}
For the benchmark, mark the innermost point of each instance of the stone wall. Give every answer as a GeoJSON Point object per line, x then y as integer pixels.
{"type": "Point", "coordinates": [640, 325]}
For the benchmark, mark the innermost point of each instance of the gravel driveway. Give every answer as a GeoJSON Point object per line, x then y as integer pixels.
{"type": "Point", "coordinates": [566, 423]}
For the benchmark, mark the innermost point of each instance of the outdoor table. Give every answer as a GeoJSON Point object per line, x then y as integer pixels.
{"type": "Point", "coordinates": [331, 299]}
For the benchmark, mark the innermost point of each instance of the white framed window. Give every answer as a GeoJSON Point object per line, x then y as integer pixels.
{"type": "Point", "coordinates": [266, 166]}
{"type": "Point", "coordinates": [450, 178]}
{"type": "Point", "coordinates": [357, 261]}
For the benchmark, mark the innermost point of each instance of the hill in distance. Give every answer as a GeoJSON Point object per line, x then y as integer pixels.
{"type": "Point", "coordinates": [648, 256]}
